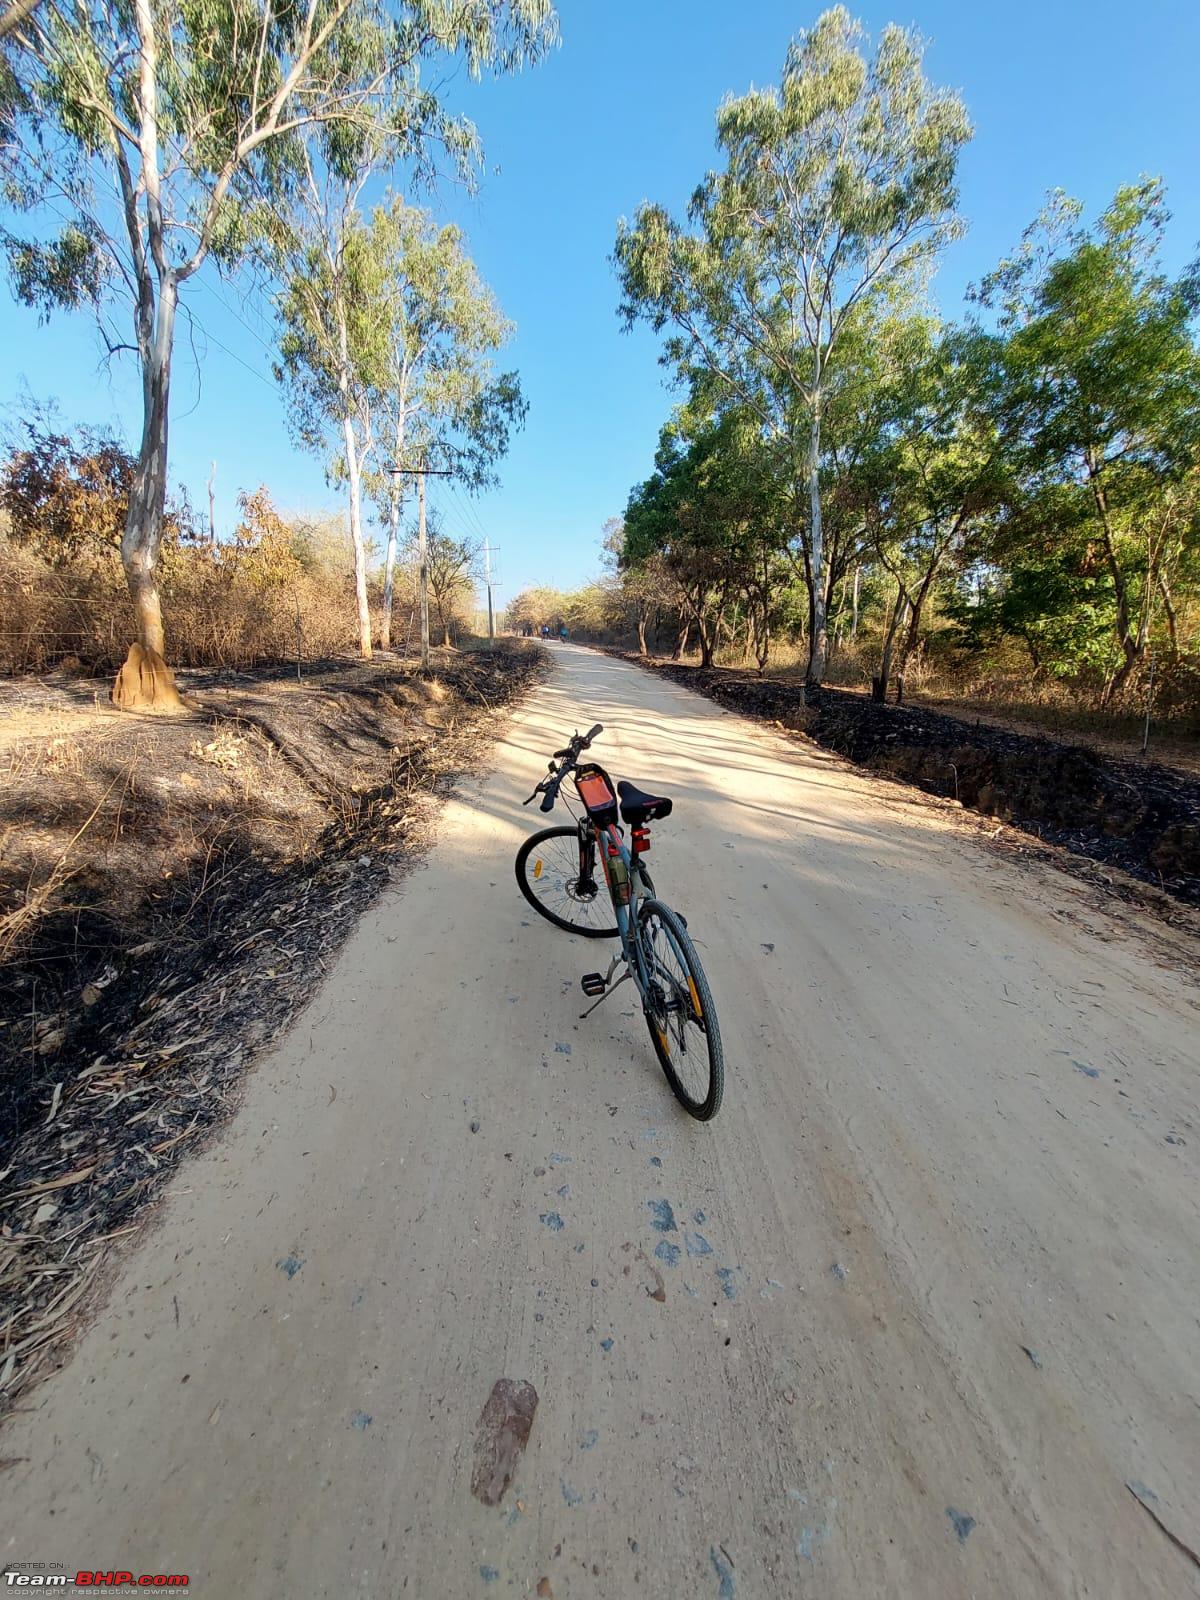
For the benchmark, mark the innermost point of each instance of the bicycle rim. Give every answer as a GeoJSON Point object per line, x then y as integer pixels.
{"type": "Point", "coordinates": [680, 1013]}
{"type": "Point", "coordinates": [548, 872]}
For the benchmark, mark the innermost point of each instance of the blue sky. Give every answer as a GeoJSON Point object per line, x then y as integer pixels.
{"type": "Point", "coordinates": [1082, 94]}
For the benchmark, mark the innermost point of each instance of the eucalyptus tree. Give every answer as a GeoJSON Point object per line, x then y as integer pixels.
{"type": "Point", "coordinates": [436, 396]}
{"type": "Point", "coordinates": [1103, 401]}
{"type": "Point", "coordinates": [937, 471]}
{"type": "Point", "coordinates": [836, 186]}
{"type": "Point", "coordinates": [334, 337]}
{"type": "Point", "coordinates": [697, 518]}
{"type": "Point", "coordinates": [641, 589]}
{"type": "Point", "coordinates": [15, 14]}
{"type": "Point", "coordinates": [161, 135]}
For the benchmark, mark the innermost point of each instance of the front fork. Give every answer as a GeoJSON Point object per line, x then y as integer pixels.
{"type": "Point", "coordinates": [587, 860]}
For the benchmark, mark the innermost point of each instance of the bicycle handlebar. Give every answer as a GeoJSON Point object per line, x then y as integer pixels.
{"type": "Point", "coordinates": [549, 787]}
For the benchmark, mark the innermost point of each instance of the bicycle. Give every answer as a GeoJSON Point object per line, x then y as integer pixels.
{"type": "Point", "coordinates": [556, 870]}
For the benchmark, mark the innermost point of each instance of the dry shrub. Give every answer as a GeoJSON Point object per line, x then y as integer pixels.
{"type": "Point", "coordinates": [221, 610]}
{"type": "Point", "coordinates": [277, 591]}
{"type": "Point", "coordinates": [61, 614]}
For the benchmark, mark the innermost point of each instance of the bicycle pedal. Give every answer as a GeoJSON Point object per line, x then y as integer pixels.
{"type": "Point", "coordinates": [593, 983]}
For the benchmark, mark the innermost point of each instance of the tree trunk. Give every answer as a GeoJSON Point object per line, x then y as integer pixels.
{"type": "Point", "coordinates": [681, 643]}
{"type": "Point", "coordinates": [854, 612]}
{"type": "Point", "coordinates": [389, 573]}
{"type": "Point", "coordinates": [708, 634]}
{"type": "Point", "coordinates": [389, 564]}
{"type": "Point", "coordinates": [762, 646]}
{"type": "Point", "coordinates": [641, 627]}
{"type": "Point", "coordinates": [1131, 646]}
{"type": "Point", "coordinates": [1164, 589]}
{"type": "Point", "coordinates": [879, 685]}
{"type": "Point", "coordinates": [356, 537]}
{"type": "Point", "coordinates": [145, 682]}
{"type": "Point", "coordinates": [1119, 678]}
{"type": "Point", "coordinates": [15, 14]}
{"type": "Point", "coordinates": [912, 624]}
{"type": "Point", "coordinates": [818, 643]}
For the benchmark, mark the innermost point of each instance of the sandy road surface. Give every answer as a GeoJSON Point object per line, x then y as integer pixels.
{"type": "Point", "coordinates": [939, 1084]}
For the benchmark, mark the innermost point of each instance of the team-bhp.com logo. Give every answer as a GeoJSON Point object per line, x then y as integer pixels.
{"type": "Point", "coordinates": [97, 1580]}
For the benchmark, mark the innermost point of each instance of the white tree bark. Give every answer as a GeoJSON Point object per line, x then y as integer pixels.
{"type": "Point", "coordinates": [818, 643]}
{"type": "Point", "coordinates": [356, 536]}
{"type": "Point", "coordinates": [389, 565]}
{"type": "Point", "coordinates": [148, 495]}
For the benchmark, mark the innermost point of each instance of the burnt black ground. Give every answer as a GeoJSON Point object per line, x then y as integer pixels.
{"type": "Point", "coordinates": [1139, 816]}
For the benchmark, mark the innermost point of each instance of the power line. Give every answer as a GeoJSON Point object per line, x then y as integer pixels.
{"type": "Point", "coordinates": [233, 355]}
{"type": "Point", "coordinates": [220, 299]}
{"type": "Point", "coordinates": [468, 512]}
{"type": "Point", "coordinates": [188, 312]}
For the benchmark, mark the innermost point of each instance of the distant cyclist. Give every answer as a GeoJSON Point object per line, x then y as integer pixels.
{"type": "Point", "coordinates": [562, 632]}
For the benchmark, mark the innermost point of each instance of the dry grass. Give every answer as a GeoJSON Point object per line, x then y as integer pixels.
{"type": "Point", "coordinates": [1004, 696]}
{"type": "Point", "coordinates": [222, 610]}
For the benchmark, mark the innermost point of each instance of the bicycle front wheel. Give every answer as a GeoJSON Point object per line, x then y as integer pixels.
{"type": "Point", "coordinates": [548, 871]}
{"type": "Point", "coordinates": [680, 1013]}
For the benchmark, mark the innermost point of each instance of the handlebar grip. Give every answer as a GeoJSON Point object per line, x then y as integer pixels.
{"type": "Point", "coordinates": [548, 799]}
{"type": "Point", "coordinates": [593, 732]}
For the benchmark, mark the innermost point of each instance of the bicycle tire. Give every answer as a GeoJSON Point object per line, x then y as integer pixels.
{"type": "Point", "coordinates": [534, 848]}
{"type": "Point", "coordinates": [702, 1015]}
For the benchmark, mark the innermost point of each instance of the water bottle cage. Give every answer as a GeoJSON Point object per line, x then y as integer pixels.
{"type": "Point", "coordinates": [616, 872]}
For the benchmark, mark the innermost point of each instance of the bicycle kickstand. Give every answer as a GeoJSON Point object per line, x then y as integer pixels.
{"type": "Point", "coordinates": [590, 978]}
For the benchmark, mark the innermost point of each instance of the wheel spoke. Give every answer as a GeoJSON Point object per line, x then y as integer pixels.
{"type": "Point", "coordinates": [553, 876]}
{"type": "Point", "coordinates": [674, 1004]}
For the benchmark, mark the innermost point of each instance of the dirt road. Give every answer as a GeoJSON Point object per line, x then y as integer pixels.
{"type": "Point", "coordinates": [935, 1297]}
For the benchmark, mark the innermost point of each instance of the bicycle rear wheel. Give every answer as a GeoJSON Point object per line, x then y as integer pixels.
{"type": "Point", "coordinates": [680, 1013]}
{"type": "Point", "coordinates": [549, 876]}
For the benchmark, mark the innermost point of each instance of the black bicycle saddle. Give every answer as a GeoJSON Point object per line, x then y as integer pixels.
{"type": "Point", "coordinates": [638, 807]}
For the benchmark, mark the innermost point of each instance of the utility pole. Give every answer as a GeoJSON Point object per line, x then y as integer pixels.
{"type": "Point", "coordinates": [421, 473]}
{"type": "Point", "coordinates": [423, 561]}
{"type": "Point", "coordinates": [487, 568]}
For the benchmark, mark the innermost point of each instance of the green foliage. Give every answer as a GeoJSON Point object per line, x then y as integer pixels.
{"type": "Point", "coordinates": [837, 191]}
{"type": "Point", "coordinates": [237, 86]}
{"type": "Point", "coordinates": [385, 317]}
{"type": "Point", "coordinates": [1039, 481]}
{"type": "Point", "coordinates": [66, 271]}
{"type": "Point", "coordinates": [441, 326]}
{"type": "Point", "coordinates": [1102, 401]}
{"type": "Point", "coordinates": [594, 611]}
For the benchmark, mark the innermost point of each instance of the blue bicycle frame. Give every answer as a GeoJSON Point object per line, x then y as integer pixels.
{"type": "Point", "coordinates": [612, 848]}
